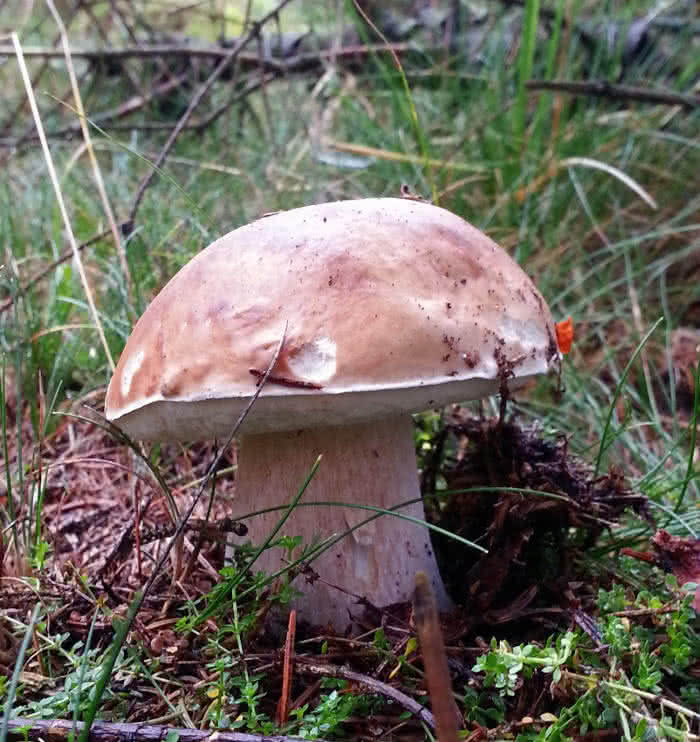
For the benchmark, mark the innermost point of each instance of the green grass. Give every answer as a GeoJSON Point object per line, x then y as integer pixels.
{"type": "Point", "coordinates": [626, 272]}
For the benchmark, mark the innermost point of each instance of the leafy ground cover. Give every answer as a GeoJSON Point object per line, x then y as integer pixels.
{"type": "Point", "coordinates": [577, 624]}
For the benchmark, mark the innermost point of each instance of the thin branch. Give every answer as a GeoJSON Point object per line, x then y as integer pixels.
{"type": "Point", "coordinates": [57, 730]}
{"type": "Point", "coordinates": [133, 104]}
{"type": "Point", "coordinates": [7, 124]}
{"type": "Point", "coordinates": [250, 88]}
{"type": "Point", "coordinates": [97, 23]}
{"type": "Point", "coordinates": [162, 66]}
{"type": "Point", "coordinates": [292, 63]}
{"type": "Point", "coordinates": [128, 52]}
{"type": "Point", "coordinates": [617, 92]}
{"type": "Point", "coordinates": [437, 672]}
{"type": "Point", "coordinates": [313, 667]}
{"type": "Point", "coordinates": [287, 666]}
{"type": "Point", "coordinates": [204, 88]}
{"type": "Point", "coordinates": [67, 255]}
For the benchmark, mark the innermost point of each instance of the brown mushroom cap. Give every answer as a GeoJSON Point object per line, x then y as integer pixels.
{"type": "Point", "coordinates": [393, 305]}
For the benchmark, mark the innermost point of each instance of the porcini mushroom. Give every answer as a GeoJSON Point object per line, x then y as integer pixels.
{"type": "Point", "coordinates": [393, 306]}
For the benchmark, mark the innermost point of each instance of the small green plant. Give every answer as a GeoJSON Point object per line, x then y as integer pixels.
{"type": "Point", "coordinates": [78, 683]}
{"type": "Point", "coordinates": [683, 642]}
{"type": "Point", "coordinates": [646, 670]}
{"type": "Point", "coordinates": [504, 664]}
{"type": "Point", "coordinates": [41, 551]}
{"type": "Point", "coordinates": [646, 638]}
{"type": "Point", "coordinates": [247, 700]}
{"type": "Point", "coordinates": [612, 600]}
{"type": "Point", "coordinates": [332, 711]}
{"type": "Point", "coordinates": [380, 641]}
{"type": "Point", "coordinates": [219, 688]}
{"type": "Point", "coordinates": [671, 620]}
{"type": "Point", "coordinates": [485, 709]}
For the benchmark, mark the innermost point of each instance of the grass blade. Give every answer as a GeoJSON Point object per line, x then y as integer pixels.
{"type": "Point", "coordinates": [122, 627]}
{"type": "Point", "coordinates": [525, 64]}
{"type": "Point", "coordinates": [604, 444]}
{"type": "Point", "coordinates": [615, 172]}
{"type": "Point", "coordinates": [693, 438]}
{"type": "Point", "coordinates": [238, 577]}
{"type": "Point", "coordinates": [12, 690]}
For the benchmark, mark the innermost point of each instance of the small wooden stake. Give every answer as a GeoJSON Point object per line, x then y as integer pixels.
{"type": "Point", "coordinates": [284, 702]}
{"type": "Point", "coordinates": [437, 674]}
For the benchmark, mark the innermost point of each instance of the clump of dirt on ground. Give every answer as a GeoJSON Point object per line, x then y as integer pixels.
{"type": "Point", "coordinates": [530, 502]}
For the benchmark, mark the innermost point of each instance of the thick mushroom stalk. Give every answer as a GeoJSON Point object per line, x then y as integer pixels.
{"type": "Point", "coordinates": [370, 464]}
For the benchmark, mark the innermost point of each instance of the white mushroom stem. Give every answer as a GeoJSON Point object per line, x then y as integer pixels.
{"type": "Point", "coordinates": [368, 464]}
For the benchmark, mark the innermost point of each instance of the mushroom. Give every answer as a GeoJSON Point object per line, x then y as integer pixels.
{"type": "Point", "coordinates": [393, 306]}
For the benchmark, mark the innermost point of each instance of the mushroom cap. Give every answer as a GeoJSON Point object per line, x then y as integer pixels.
{"type": "Point", "coordinates": [392, 306]}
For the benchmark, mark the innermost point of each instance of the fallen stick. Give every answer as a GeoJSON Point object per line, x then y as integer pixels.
{"type": "Point", "coordinates": [312, 667]}
{"type": "Point", "coordinates": [67, 255]}
{"type": "Point", "coordinates": [617, 92]}
{"type": "Point", "coordinates": [437, 673]}
{"type": "Point", "coordinates": [196, 99]}
{"type": "Point", "coordinates": [57, 730]}
{"type": "Point", "coordinates": [287, 666]}
{"type": "Point", "coordinates": [279, 63]}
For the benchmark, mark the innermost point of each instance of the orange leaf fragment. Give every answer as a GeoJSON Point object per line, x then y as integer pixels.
{"type": "Point", "coordinates": [565, 334]}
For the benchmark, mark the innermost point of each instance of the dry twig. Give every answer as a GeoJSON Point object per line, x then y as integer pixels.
{"type": "Point", "coordinates": [296, 63]}
{"type": "Point", "coordinates": [437, 673]}
{"type": "Point", "coordinates": [617, 92]}
{"type": "Point", "coordinates": [284, 703]}
{"type": "Point", "coordinates": [312, 667]}
{"type": "Point", "coordinates": [58, 730]}
{"type": "Point", "coordinates": [64, 257]}
{"type": "Point", "coordinates": [133, 104]}
{"type": "Point", "coordinates": [196, 99]}
{"type": "Point", "coordinates": [7, 124]}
